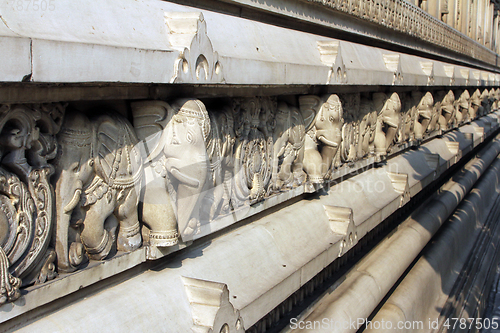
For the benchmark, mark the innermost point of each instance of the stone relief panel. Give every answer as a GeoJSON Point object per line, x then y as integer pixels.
{"type": "Point", "coordinates": [79, 186]}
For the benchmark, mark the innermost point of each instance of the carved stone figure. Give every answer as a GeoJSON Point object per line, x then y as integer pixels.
{"type": "Point", "coordinates": [97, 171]}
{"type": "Point", "coordinates": [387, 121]}
{"type": "Point", "coordinates": [462, 107]}
{"type": "Point", "coordinates": [492, 99]}
{"type": "Point", "coordinates": [475, 105]}
{"type": "Point", "coordinates": [485, 103]}
{"type": "Point", "coordinates": [289, 136]}
{"type": "Point", "coordinates": [324, 134]}
{"type": "Point", "coordinates": [425, 114]}
{"type": "Point", "coordinates": [178, 167]}
{"type": "Point", "coordinates": [27, 135]}
{"type": "Point", "coordinates": [367, 128]}
{"type": "Point", "coordinates": [496, 98]}
{"type": "Point", "coordinates": [447, 106]}
{"type": "Point", "coordinates": [156, 206]}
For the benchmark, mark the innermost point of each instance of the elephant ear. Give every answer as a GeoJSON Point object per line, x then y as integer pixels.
{"type": "Point", "coordinates": [150, 120]}
{"type": "Point", "coordinates": [309, 106]}
{"type": "Point", "coordinates": [114, 150]}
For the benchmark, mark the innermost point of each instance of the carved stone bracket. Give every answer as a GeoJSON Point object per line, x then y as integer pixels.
{"type": "Point", "coordinates": [212, 311]}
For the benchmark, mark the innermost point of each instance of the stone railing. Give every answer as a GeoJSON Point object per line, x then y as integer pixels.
{"type": "Point", "coordinates": [404, 17]}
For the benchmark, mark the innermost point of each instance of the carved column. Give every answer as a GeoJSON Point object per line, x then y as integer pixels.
{"type": "Point", "coordinates": [495, 32]}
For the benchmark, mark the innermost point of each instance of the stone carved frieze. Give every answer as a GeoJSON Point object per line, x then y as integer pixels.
{"type": "Point", "coordinates": [184, 164]}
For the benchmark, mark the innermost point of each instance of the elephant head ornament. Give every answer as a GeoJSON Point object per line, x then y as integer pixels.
{"type": "Point", "coordinates": [98, 169]}
{"type": "Point", "coordinates": [324, 134]}
{"type": "Point", "coordinates": [177, 167]}
{"type": "Point", "coordinates": [388, 120]}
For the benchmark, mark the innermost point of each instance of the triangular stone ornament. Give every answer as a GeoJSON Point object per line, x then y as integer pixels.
{"type": "Point", "coordinates": [342, 224]}
{"type": "Point", "coordinates": [450, 72]}
{"type": "Point", "coordinates": [393, 63]}
{"type": "Point", "coordinates": [197, 61]}
{"type": "Point", "coordinates": [428, 69]}
{"type": "Point", "coordinates": [454, 148]}
{"type": "Point", "coordinates": [434, 162]}
{"type": "Point", "coordinates": [331, 55]}
{"type": "Point", "coordinates": [211, 309]}
{"type": "Point", "coordinates": [400, 184]}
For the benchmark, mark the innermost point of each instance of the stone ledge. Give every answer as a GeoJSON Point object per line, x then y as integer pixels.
{"type": "Point", "coordinates": [112, 46]}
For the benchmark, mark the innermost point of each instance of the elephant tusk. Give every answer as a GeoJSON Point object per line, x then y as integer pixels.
{"type": "Point", "coordinates": [185, 179]}
{"type": "Point", "coordinates": [327, 142]}
{"type": "Point", "coordinates": [76, 198]}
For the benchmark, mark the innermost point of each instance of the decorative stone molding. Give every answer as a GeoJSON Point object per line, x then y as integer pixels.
{"type": "Point", "coordinates": [212, 311]}
{"type": "Point", "coordinates": [400, 183]}
{"type": "Point", "coordinates": [342, 224]}
{"type": "Point", "coordinates": [404, 17]}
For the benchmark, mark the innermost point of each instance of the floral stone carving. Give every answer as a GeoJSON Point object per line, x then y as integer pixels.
{"type": "Point", "coordinates": [27, 134]}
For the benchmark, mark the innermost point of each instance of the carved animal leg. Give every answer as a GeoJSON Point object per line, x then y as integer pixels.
{"type": "Point", "coordinates": [313, 165]}
{"type": "Point", "coordinates": [129, 236]}
{"type": "Point", "coordinates": [96, 239]}
{"type": "Point", "coordinates": [158, 214]}
{"type": "Point", "coordinates": [391, 134]}
{"type": "Point", "coordinates": [380, 139]}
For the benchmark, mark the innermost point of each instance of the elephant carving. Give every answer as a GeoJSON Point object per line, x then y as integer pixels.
{"type": "Point", "coordinates": [98, 169]}
{"type": "Point", "coordinates": [177, 167]}
{"type": "Point", "coordinates": [447, 107]}
{"type": "Point", "coordinates": [462, 107]}
{"type": "Point", "coordinates": [324, 134]}
{"type": "Point", "coordinates": [426, 118]}
{"type": "Point", "coordinates": [475, 109]}
{"type": "Point", "coordinates": [387, 121]}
